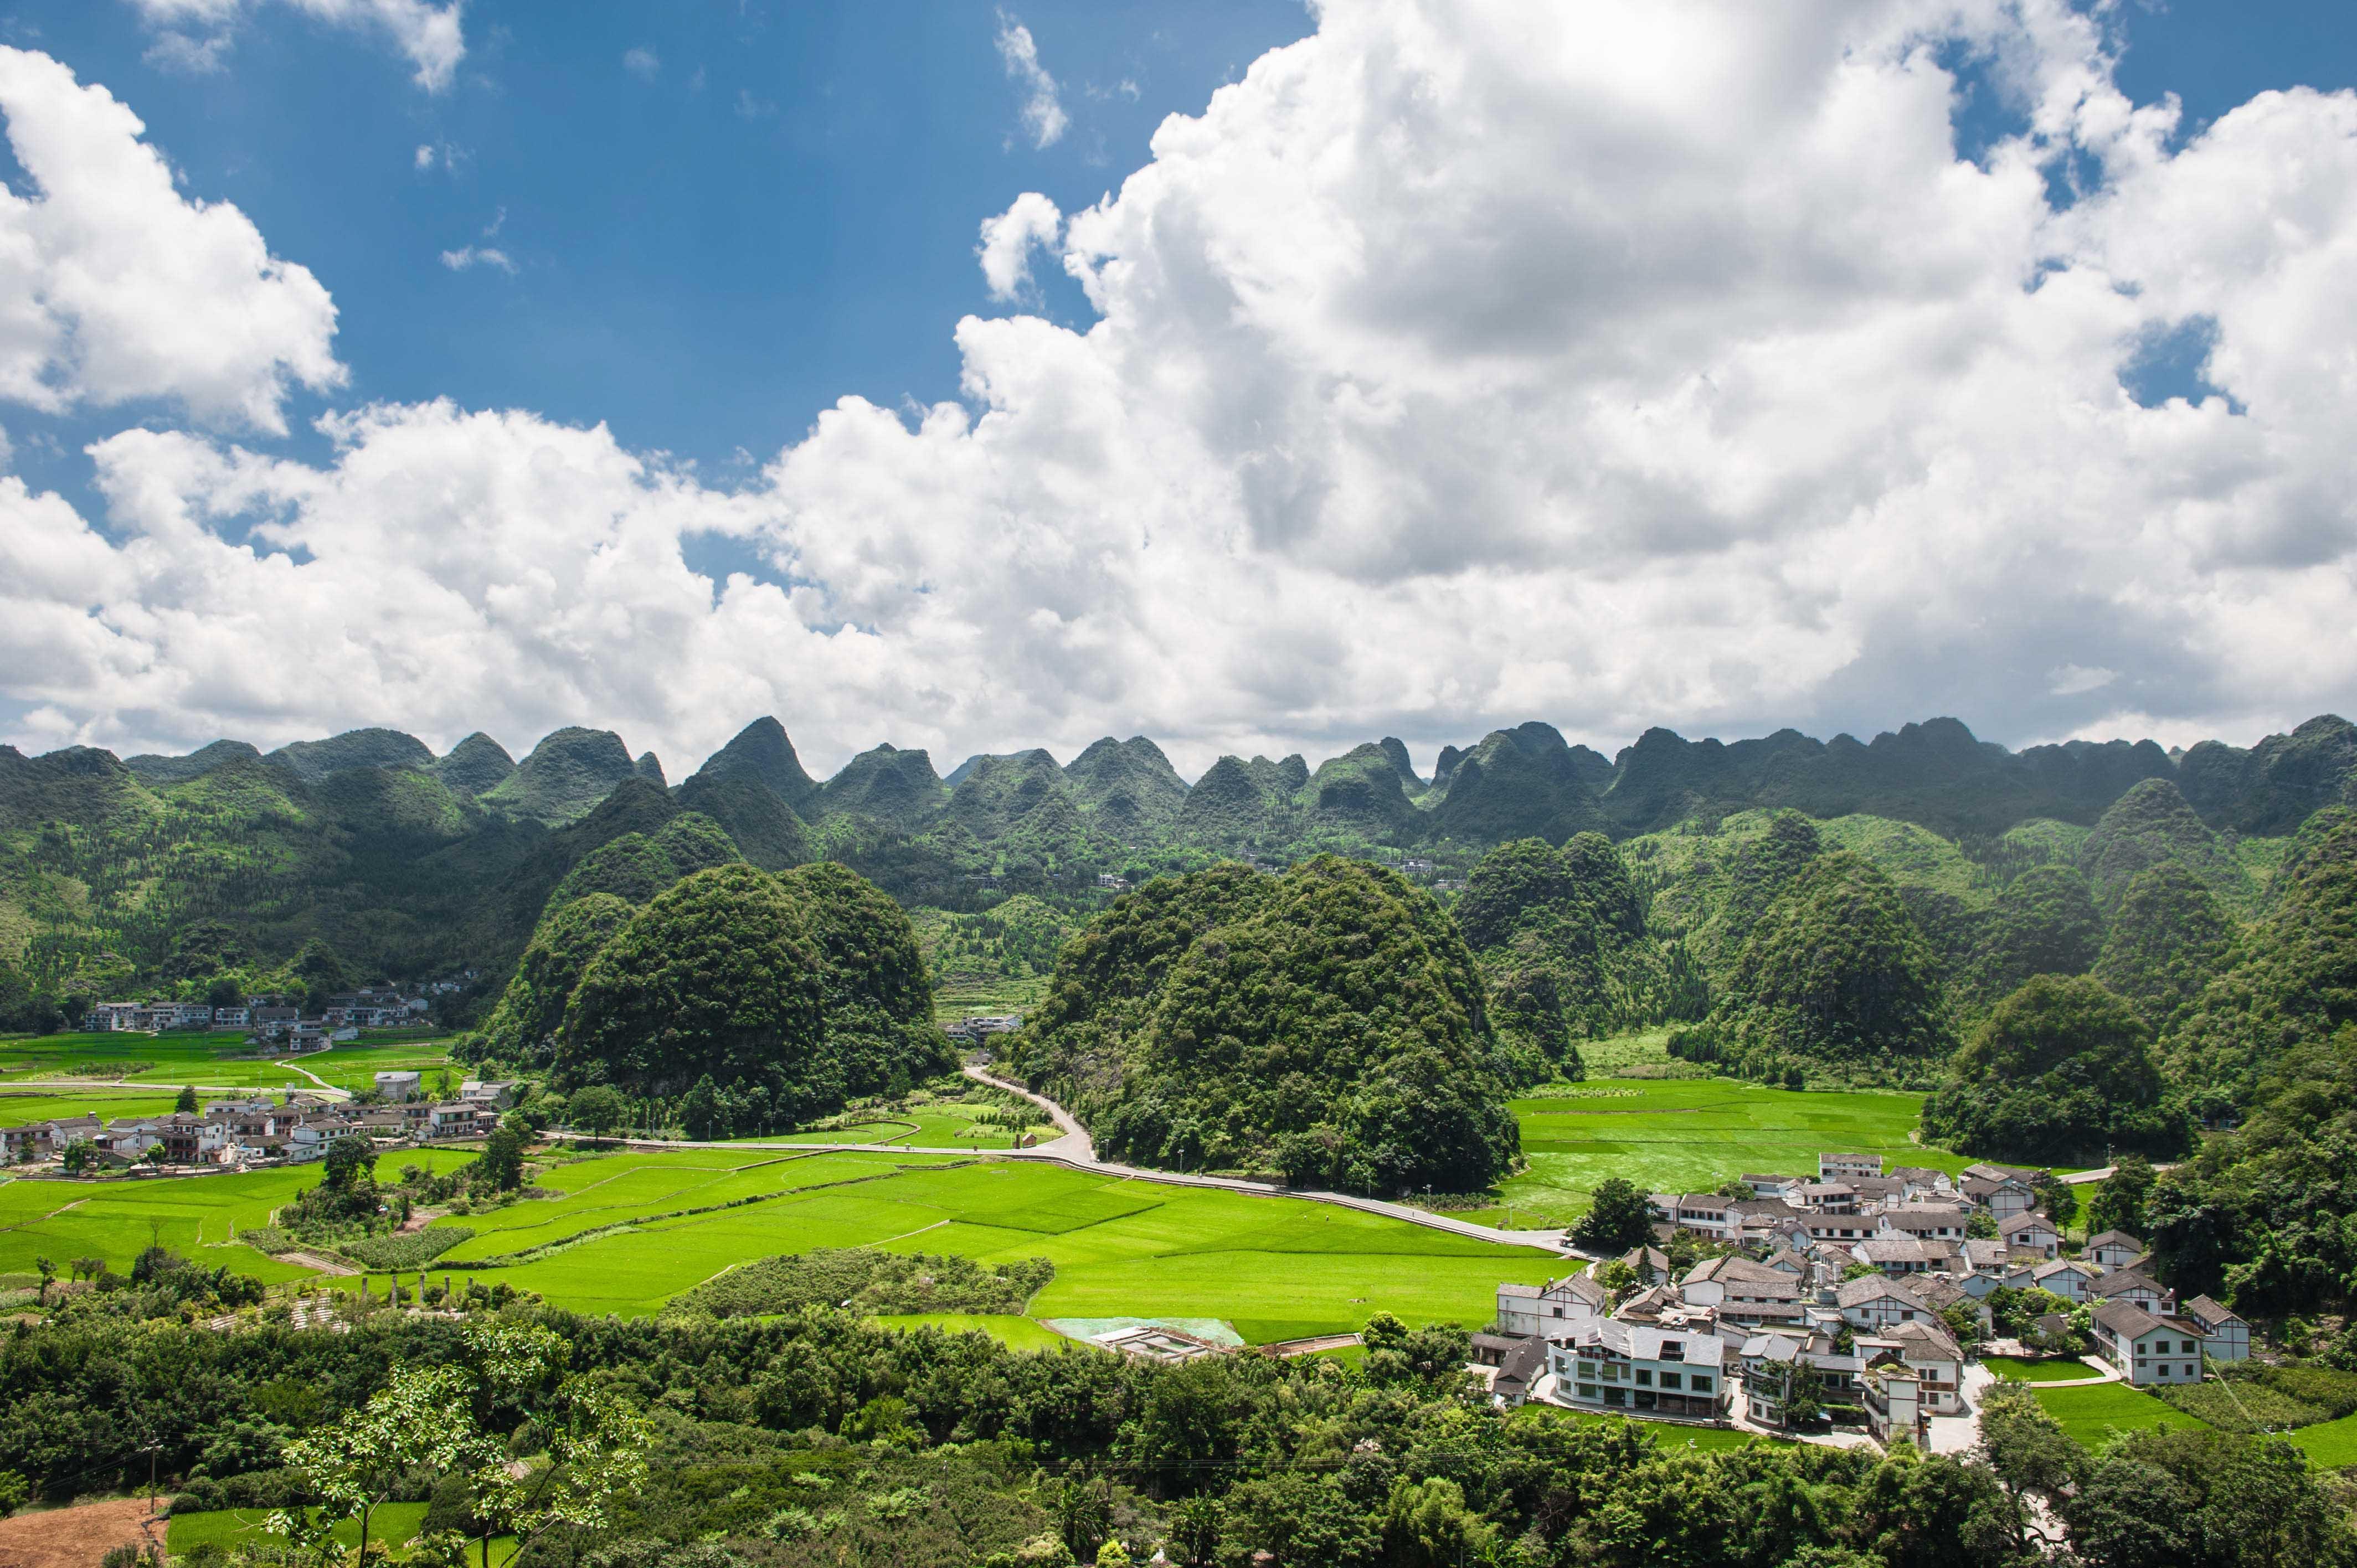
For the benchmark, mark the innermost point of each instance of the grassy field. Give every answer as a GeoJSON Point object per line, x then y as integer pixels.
{"type": "Point", "coordinates": [2025, 1371]}
{"type": "Point", "coordinates": [1274, 1268]}
{"type": "Point", "coordinates": [213, 1060]}
{"type": "Point", "coordinates": [940, 1126]}
{"type": "Point", "coordinates": [1015, 1333]}
{"type": "Point", "coordinates": [1670, 1436]}
{"type": "Point", "coordinates": [2332, 1443]}
{"type": "Point", "coordinates": [18, 1107]}
{"type": "Point", "coordinates": [1690, 1134]}
{"type": "Point", "coordinates": [197, 1216]}
{"type": "Point", "coordinates": [394, 1526]}
{"type": "Point", "coordinates": [2090, 1414]}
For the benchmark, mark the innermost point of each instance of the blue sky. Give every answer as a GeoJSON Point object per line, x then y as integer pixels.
{"type": "Point", "coordinates": [1473, 369]}
{"type": "Point", "coordinates": [778, 208]}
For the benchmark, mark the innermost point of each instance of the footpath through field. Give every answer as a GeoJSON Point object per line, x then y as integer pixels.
{"type": "Point", "coordinates": [1074, 1148]}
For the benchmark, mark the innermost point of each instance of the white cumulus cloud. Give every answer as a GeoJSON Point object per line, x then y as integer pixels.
{"type": "Point", "coordinates": [1647, 362]}
{"type": "Point", "coordinates": [1042, 110]}
{"type": "Point", "coordinates": [114, 288]}
{"type": "Point", "coordinates": [460, 259]}
{"type": "Point", "coordinates": [1009, 239]}
{"type": "Point", "coordinates": [195, 34]}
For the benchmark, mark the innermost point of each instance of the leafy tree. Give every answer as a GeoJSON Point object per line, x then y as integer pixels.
{"type": "Point", "coordinates": [225, 991]}
{"type": "Point", "coordinates": [501, 1167]}
{"type": "Point", "coordinates": [597, 1109]}
{"type": "Point", "coordinates": [417, 1421]}
{"type": "Point", "coordinates": [2036, 1462]}
{"type": "Point", "coordinates": [321, 972]}
{"type": "Point", "coordinates": [187, 1099]}
{"type": "Point", "coordinates": [350, 1164]}
{"type": "Point", "coordinates": [2119, 1202]}
{"type": "Point", "coordinates": [1619, 1217]}
{"type": "Point", "coordinates": [2057, 1198]}
{"type": "Point", "coordinates": [2061, 1071]}
{"type": "Point", "coordinates": [700, 1112]}
{"type": "Point", "coordinates": [15, 1491]}
{"type": "Point", "coordinates": [48, 1272]}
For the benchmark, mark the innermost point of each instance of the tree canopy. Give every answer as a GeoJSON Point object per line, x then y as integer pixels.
{"type": "Point", "coordinates": [2062, 1070]}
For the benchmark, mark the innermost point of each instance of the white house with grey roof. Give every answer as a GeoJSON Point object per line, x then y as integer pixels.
{"type": "Point", "coordinates": [1609, 1365]}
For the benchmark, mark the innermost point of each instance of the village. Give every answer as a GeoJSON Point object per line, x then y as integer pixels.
{"type": "Point", "coordinates": [258, 1130]}
{"type": "Point", "coordinates": [1857, 1304]}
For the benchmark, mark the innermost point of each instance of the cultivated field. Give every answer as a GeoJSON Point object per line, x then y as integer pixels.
{"type": "Point", "coordinates": [20, 1106]}
{"type": "Point", "coordinates": [945, 1126]}
{"type": "Point", "coordinates": [2090, 1414]}
{"type": "Point", "coordinates": [210, 1060]}
{"type": "Point", "coordinates": [1690, 1134]}
{"type": "Point", "coordinates": [200, 1217]}
{"type": "Point", "coordinates": [1275, 1268]}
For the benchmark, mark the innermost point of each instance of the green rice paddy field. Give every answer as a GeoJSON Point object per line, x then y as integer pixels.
{"type": "Point", "coordinates": [213, 1061]}
{"type": "Point", "coordinates": [2088, 1414]}
{"type": "Point", "coordinates": [1688, 1134]}
{"type": "Point", "coordinates": [1275, 1268]}
{"type": "Point", "coordinates": [944, 1126]}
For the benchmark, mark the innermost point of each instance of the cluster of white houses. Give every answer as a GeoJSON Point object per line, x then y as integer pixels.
{"type": "Point", "coordinates": [260, 1130]}
{"type": "Point", "coordinates": [271, 1019]}
{"type": "Point", "coordinates": [1749, 1319]}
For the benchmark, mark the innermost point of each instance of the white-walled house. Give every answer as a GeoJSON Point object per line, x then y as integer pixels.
{"type": "Point", "coordinates": [2147, 1349]}
{"type": "Point", "coordinates": [1630, 1367]}
{"type": "Point", "coordinates": [2113, 1250]}
{"type": "Point", "coordinates": [2028, 1232]}
{"type": "Point", "coordinates": [2224, 1336]}
{"type": "Point", "coordinates": [1551, 1308]}
{"type": "Point", "coordinates": [1877, 1303]}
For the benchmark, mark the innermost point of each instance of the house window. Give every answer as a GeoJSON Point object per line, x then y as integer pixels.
{"type": "Point", "coordinates": [1645, 1377]}
{"type": "Point", "coordinates": [1670, 1379]}
{"type": "Point", "coordinates": [1701, 1383]}
{"type": "Point", "coordinates": [1587, 1390]}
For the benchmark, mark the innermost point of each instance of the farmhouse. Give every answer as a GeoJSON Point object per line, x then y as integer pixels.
{"type": "Point", "coordinates": [1610, 1365]}
{"type": "Point", "coordinates": [2114, 1250]}
{"type": "Point", "coordinates": [2147, 1349]}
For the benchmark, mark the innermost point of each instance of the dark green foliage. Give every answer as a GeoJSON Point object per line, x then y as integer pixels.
{"type": "Point", "coordinates": [1834, 970]}
{"type": "Point", "coordinates": [2060, 1072]}
{"type": "Point", "coordinates": [159, 771]}
{"type": "Point", "coordinates": [2277, 784]}
{"type": "Point", "coordinates": [1518, 783]}
{"type": "Point", "coordinates": [501, 1169]}
{"type": "Point", "coordinates": [2044, 923]}
{"type": "Point", "coordinates": [2295, 978]}
{"type": "Point", "coordinates": [2182, 1496]}
{"type": "Point", "coordinates": [1328, 1023]}
{"type": "Point", "coordinates": [898, 789]}
{"type": "Point", "coordinates": [2168, 940]}
{"type": "Point", "coordinates": [998, 791]}
{"type": "Point", "coordinates": [636, 866]}
{"type": "Point", "coordinates": [476, 764]}
{"type": "Point", "coordinates": [1572, 919]}
{"type": "Point", "coordinates": [1228, 806]}
{"type": "Point", "coordinates": [1129, 787]}
{"type": "Point", "coordinates": [807, 987]}
{"type": "Point", "coordinates": [869, 1280]}
{"type": "Point", "coordinates": [313, 761]}
{"type": "Point", "coordinates": [2119, 1203]}
{"type": "Point", "coordinates": [762, 754]}
{"type": "Point", "coordinates": [763, 828]}
{"type": "Point", "coordinates": [2145, 827]}
{"type": "Point", "coordinates": [1618, 1218]}
{"type": "Point", "coordinates": [1362, 792]}
{"type": "Point", "coordinates": [648, 767]}
{"type": "Point", "coordinates": [566, 775]}
{"type": "Point", "coordinates": [2261, 1216]}
{"type": "Point", "coordinates": [532, 1008]}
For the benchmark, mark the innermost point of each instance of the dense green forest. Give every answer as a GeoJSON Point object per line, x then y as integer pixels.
{"type": "Point", "coordinates": [810, 1437]}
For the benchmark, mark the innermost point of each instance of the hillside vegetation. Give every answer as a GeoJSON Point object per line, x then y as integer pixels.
{"type": "Point", "coordinates": [1328, 1023]}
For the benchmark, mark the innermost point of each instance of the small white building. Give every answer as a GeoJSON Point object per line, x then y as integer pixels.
{"type": "Point", "coordinates": [1641, 1370]}
{"type": "Point", "coordinates": [2224, 1336]}
{"type": "Point", "coordinates": [2114, 1250]}
{"type": "Point", "coordinates": [2147, 1349]}
{"type": "Point", "coordinates": [398, 1088]}
{"type": "Point", "coordinates": [1842, 1167]}
{"type": "Point", "coordinates": [1549, 1309]}
{"type": "Point", "coordinates": [2028, 1232]}
{"type": "Point", "coordinates": [1877, 1303]}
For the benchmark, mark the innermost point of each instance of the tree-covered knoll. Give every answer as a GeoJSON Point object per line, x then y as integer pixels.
{"type": "Point", "coordinates": [568, 773]}
{"type": "Point", "coordinates": [763, 828]}
{"type": "Point", "coordinates": [887, 785]}
{"type": "Point", "coordinates": [2293, 979]}
{"type": "Point", "coordinates": [2264, 1216]}
{"type": "Point", "coordinates": [476, 766]}
{"type": "Point", "coordinates": [637, 865]}
{"type": "Point", "coordinates": [1517, 783]}
{"type": "Point", "coordinates": [2061, 1071]}
{"type": "Point", "coordinates": [2168, 940]}
{"type": "Point", "coordinates": [1328, 1023]}
{"type": "Point", "coordinates": [1833, 973]}
{"type": "Point", "coordinates": [1129, 787]}
{"type": "Point", "coordinates": [523, 1025]}
{"type": "Point", "coordinates": [2044, 922]}
{"type": "Point", "coordinates": [762, 754]}
{"type": "Point", "coordinates": [2277, 785]}
{"type": "Point", "coordinates": [1362, 792]}
{"type": "Point", "coordinates": [805, 988]}
{"type": "Point", "coordinates": [2152, 823]}
{"type": "Point", "coordinates": [1562, 936]}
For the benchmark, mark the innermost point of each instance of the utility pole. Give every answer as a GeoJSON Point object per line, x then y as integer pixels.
{"type": "Point", "coordinates": [151, 1450]}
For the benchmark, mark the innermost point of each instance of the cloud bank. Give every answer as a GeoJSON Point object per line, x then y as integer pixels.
{"type": "Point", "coordinates": [1662, 362]}
{"type": "Point", "coordinates": [194, 35]}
